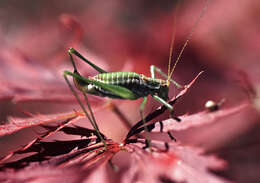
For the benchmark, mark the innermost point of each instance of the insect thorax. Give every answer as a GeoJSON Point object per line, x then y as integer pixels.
{"type": "Point", "coordinates": [139, 84]}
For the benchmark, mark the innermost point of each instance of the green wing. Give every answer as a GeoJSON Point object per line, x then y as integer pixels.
{"type": "Point", "coordinates": [115, 89]}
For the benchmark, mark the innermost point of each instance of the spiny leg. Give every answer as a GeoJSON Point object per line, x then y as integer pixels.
{"type": "Point", "coordinates": [92, 121]}
{"type": "Point", "coordinates": [158, 70]}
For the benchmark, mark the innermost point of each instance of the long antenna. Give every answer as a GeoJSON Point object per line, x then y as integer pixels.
{"type": "Point", "coordinates": [188, 38]}
{"type": "Point", "coordinates": [172, 43]}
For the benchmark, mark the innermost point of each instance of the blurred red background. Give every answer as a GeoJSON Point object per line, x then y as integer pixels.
{"type": "Point", "coordinates": [130, 36]}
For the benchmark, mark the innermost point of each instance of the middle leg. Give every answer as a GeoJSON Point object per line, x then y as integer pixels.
{"type": "Point", "coordinates": [147, 138]}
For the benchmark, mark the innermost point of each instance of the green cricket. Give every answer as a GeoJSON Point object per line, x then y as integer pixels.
{"type": "Point", "coordinates": [125, 85]}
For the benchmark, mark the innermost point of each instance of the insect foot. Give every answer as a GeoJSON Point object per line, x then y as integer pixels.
{"type": "Point", "coordinates": [174, 117]}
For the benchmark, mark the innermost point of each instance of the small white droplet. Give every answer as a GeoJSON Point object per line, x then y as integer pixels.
{"type": "Point", "coordinates": [209, 104]}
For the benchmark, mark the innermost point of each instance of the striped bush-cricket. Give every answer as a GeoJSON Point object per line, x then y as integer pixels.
{"type": "Point", "coordinates": [126, 85]}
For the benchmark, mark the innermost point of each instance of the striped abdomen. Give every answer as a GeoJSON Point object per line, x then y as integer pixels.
{"type": "Point", "coordinates": [139, 84]}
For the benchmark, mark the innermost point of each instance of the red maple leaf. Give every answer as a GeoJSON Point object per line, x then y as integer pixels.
{"type": "Point", "coordinates": [185, 148]}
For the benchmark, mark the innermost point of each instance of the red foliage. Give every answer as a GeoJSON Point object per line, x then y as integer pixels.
{"type": "Point", "coordinates": [34, 96]}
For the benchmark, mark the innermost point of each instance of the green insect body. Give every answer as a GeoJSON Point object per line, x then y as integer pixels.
{"type": "Point", "coordinates": [139, 84]}
{"type": "Point", "coordinates": [125, 85]}
{"type": "Point", "coordinates": [120, 85]}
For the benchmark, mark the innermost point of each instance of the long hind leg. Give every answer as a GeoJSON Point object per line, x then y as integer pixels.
{"type": "Point", "coordinates": [75, 52]}
{"type": "Point", "coordinates": [90, 116]}
{"type": "Point", "coordinates": [109, 104]}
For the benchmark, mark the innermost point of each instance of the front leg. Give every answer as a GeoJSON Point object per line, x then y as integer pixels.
{"type": "Point", "coordinates": [159, 99]}
{"type": "Point", "coordinates": [158, 70]}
